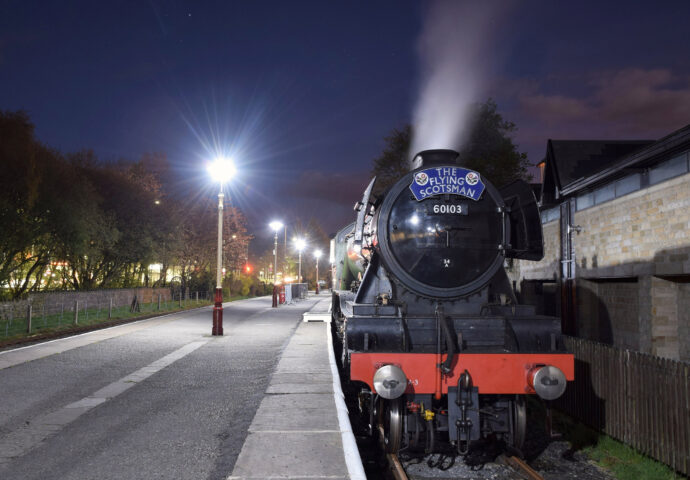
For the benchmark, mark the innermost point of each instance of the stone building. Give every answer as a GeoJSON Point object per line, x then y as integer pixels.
{"type": "Point", "coordinates": [616, 219]}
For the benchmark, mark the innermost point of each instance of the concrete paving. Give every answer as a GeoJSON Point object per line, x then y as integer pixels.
{"type": "Point", "coordinates": [296, 432]}
{"type": "Point", "coordinates": [162, 398]}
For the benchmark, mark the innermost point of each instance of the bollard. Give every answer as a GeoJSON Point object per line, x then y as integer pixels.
{"type": "Point", "coordinates": [110, 308]}
{"type": "Point", "coordinates": [28, 319]}
{"type": "Point", "coordinates": [76, 312]}
{"type": "Point", "coordinates": [197, 296]}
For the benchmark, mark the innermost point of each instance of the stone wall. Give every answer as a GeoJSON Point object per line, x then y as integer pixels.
{"type": "Point", "coordinates": [684, 321]}
{"type": "Point", "coordinates": [632, 267]}
{"type": "Point", "coordinates": [646, 232]}
{"type": "Point", "coordinates": [664, 296]}
{"type": "Point", "coordinates": [548, 268]}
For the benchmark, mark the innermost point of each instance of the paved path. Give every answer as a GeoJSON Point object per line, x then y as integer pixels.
{"type": "Point", "coordinates": [159, 398]}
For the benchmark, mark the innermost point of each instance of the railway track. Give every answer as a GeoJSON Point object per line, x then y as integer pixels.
{"type": "Point", "coordinates": [519, 467]}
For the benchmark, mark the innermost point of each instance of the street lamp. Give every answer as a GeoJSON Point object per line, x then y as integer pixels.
{"type": "Point", "coordinates": [317, 255]}
{"type": "Point", "coordinates": [221, 170]}
{"type": "Point", "coordinates": [300, 244]}
{"type": "Point", "coordinates": [275, 226]}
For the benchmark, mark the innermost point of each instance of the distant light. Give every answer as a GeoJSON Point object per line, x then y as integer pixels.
{"type": "Point", "coordinates": [248, 268]}
{"type": "Point", "coordinates": [275, 225]}
{"type": "Point", "coordinates": [414, 219]}
{"type": "Point", "coordinates": [300, 243]}
{"type": "Point", "coordinates": [222, 169]}
{"type": "Point", "coordinates": [157, 202]}
{"type": "Point", "coordinates": [317, 253]}
{"type": "Point", "coordinates": [234, 236]}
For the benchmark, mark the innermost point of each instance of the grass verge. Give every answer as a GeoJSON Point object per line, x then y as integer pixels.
{"type": "Point", "coordinates": [621, 460]}
{"type": "Point", "coordinates": [61, 324]}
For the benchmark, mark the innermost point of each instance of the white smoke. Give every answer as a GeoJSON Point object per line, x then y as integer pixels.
{"type": "Point", "coordinates": [455, 58]}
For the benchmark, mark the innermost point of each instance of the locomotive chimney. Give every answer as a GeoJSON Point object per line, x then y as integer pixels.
{"type": "Point", "coordinates": [429, 158]}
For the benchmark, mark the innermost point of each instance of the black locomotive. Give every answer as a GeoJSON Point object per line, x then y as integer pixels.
{"type": "Point", "coordinates": [434, 343]}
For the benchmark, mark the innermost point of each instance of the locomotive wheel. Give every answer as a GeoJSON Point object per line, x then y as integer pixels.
{"type": "Point", "coordinates": [390, 418]}
{"type": "Point", "coordinates": [519, 425]}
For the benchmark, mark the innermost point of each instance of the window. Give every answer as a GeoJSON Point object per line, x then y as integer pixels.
{"type": "Point", "coordinates": [585, 200]}
{"type": "Point", "coordinates": [550, 215]}
{"type": "Point", "coordinates": [627, 184]}
{"type": "Point", "coordinates": [668, 169]}
{"type": "Point", "coordinates": [604, 194]}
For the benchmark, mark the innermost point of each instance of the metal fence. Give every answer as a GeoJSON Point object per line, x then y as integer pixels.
{"type": "Point", "coordinates": [642, 400]}
{"type": "Point", "coordinates": [26, 317]}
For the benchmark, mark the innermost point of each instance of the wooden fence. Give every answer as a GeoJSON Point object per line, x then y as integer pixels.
{"type": "Point", "coordinates": [639, 399]}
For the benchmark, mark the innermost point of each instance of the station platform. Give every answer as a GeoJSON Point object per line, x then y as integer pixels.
{"type": "Point", "coordinates": [320, 312]}
{"type": "Point", "coordinates": [301, 428]}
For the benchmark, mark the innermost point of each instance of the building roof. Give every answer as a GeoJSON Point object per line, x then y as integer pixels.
{"type": "Point", "coordinates": [573, 165]}
{"type": "Point", "coordinates": [577, 159]}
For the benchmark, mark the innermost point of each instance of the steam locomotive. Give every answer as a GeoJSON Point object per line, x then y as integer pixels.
{"type": "Point", "coordinates": [434, 344]}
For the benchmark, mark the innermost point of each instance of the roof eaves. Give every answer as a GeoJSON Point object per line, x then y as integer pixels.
{"type": "Point", "coordinates": [667, 143]}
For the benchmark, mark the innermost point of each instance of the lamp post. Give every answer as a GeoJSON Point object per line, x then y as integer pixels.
{"type": "Point", "coordinates": [317, 255]}
{"type": "Point", "coordinates": [221, 170]}
{"type": "Point", "coordinates": [300, 244]}
{"type": "Point", "coordinates": [275, 225]}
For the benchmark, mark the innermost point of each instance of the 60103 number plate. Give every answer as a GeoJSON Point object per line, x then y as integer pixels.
{"type": "Point", "coordinates": [447, 209]}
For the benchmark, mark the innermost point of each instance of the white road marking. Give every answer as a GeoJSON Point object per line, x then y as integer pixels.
{"type": "Point", "coordinates": [16, 356]}
{"type": "Point", "coordinates": [19, 442]}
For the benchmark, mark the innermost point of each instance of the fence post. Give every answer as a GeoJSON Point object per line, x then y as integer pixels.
{"type": "Point", "coordinates": [197, 296]}
{"type": "Point", "coordinates": [110, 308]}
{"type": "Point", "coordinates": [159, 302]}
{"type": "Point", "coordinates": [76, 312]}
{"type": "Point", "coordinates": [28, 319]}
{"type": "Point", "coordinates": [180, 298]}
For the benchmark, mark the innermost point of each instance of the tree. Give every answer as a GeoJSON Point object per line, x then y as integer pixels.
{"type": "Point", "coordinates": [394, 161]}
{"type": "Point", "coordinates": [43, 204]}
{"type": "Point", "coordinates": [489, 149]}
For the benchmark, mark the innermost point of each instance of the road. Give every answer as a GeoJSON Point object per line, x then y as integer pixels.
{"type": "Point", "coordinates": [162, 399]}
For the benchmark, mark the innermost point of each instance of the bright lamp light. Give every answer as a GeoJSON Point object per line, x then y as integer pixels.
{"type": "Point", "coordinates": [317, 253]}
{"type": "Point", "coordinates": [222, 169]}
{"type": "Point", "coordinates": [300, 244]}
{"type": "Point", "coordinates": [275, 225]}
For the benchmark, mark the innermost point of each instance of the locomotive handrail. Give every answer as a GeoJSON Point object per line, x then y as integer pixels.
{"type": "Point", "coordinates": [361, 215]}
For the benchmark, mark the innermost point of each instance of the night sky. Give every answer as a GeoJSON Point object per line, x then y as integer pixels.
{"type": "Point", "coordinates": [301, 94]}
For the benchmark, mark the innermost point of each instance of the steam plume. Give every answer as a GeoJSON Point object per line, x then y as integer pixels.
{"type": "Point", "coordinates": [455, 59]}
